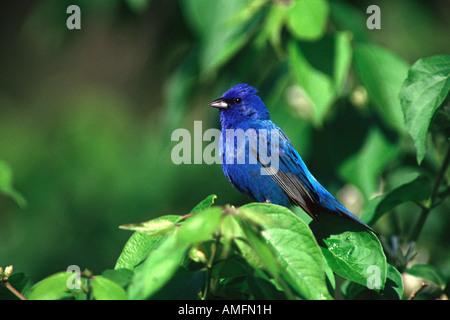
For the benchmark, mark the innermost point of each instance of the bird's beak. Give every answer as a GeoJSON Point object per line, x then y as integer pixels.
{"type": "Point", "coordinates": [219, 103]}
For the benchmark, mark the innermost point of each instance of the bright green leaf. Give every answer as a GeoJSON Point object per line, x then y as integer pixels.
{"type": "Point", "coordinates": [296, 250]}
{"type": "Point", "coordinates": [120, 276]}
{"type": "Point", "coordinates": [394, 284]}
{"type": "Point", "coordinates": [155, 227]}
{"type": "Point", "coordinates": [136, 250]}
{"type": "Point", "coordinates": [351, 251]}
{"type": "Point", "coordinates": [307, 19]}
{"type": "Point", "coordinates": [106, 289]}
{"type": "Point", "coordinates": [53, 287]}
{"type": "Point", "coordinates": [204, 204]}
{"type": "Point", "coordinates": [200, 227]}
{"type": "Point", "coordinates": [423, 92]}
{"type": "Point", "coordinates": [159, 267]}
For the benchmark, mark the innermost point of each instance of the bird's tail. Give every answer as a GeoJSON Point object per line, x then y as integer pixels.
{"type": "Point", "coordinates": [342, 211]}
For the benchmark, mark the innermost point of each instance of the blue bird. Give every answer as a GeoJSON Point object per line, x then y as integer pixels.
{"type": "Point", "coordinates": [271, 170]}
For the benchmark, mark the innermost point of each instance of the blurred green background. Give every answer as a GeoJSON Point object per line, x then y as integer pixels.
{"type": "Point", "coordinates": [86, 116]}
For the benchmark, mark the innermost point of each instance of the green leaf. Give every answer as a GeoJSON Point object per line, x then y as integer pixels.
{"type": "Point", "coordinates": [18, 281]}
{"type": "Point", "coordinates": [321, 68]}
{"type": "Point", "coordinates": [428, 273]}
{"type": "Point", "coordinates": [120, 276]}
{"type": "Point", "coordinates": [204, 204]}
{"type": "Point", "coordinates": [53, 287]}
{"type": "Point", "coordinates": [422, 93]}
{"type": "Point", "coordinates": [232, 267]}
{"type": "Point", "coordinates": [138, 6]}
{"type": "Point", "coordinates": [273, 26]}
{"type": "Point", "coordinates": [364, 168]}
{"type": "Point", "coordinates": [348, 17]}
{"type": "Point", "coordinates": [393, 289]}
{"type": "Point", "coordinates": [155, 227]}
{"type": "Point", "coordinates": [296, 250]}
{"type": "Point", "coordinates": [183, 285]}
{"type": "Point", "coordinates": [159, 267]}
{"type": "Point", "coordinates": [415, 190]}
{"type": "Point", "coordinates": [200, 227]}
{"type": "Point", "coordinates": [6, 185]}
{"type": "Point", "coordinates": [351, 251]}
{"type": "Point", "coordinates": [221, 35]}
{"type": "Point", "coordinates": [106, 289]}
{"type": "Point", "coordinates": [307, 19]}
{"type": "Point", "coordinates": [382, 73]}
{"type": "Point", "coordinates": [136, 250]}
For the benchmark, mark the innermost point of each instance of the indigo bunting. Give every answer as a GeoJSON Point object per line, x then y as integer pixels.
{"type": "Point", "coordinates": [282, 177]}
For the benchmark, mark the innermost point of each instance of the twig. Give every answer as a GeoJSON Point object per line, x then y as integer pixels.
{"type": "Point", "coordinates": [414, 294]}
{"type": "Point", "coordinates": [426, 209]}
{"type": "Point", "coordinates": [14, 291]}
{"type": "Point", "coordinates": [209, 266]}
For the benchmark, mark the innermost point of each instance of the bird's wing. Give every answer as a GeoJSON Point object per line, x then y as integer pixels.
{"type": "Point", "coordinates": [290, 173]}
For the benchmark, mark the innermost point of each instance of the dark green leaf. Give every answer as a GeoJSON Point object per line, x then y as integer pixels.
{"type": "Point", "coordinates": [18, 281]}
{"type": "Point", "coordinates": [363, 169]}
{"type": "Point", "coordinates": [422, 93]}
{"type": "Point", "coordinates": [138, 6]}
{"type": "Point", "coordinates": [6, 185]}
{"type": "Point", "coordinates": [428, 273]}
{"type": "Point", "coordinates": [418, 189]}
{"type": "Point", "coordinates": [182, 286]}
{"type": "Point", "coordinates": [393, 289]}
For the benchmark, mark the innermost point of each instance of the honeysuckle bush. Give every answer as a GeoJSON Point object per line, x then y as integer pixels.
{"type": "Point", "coordinates": [257, 251]}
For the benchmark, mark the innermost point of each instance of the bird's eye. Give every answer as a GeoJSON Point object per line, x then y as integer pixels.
{"type": "Point", "coordinates": [238, 100]}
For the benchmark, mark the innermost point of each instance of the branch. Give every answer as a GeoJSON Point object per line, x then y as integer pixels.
{"type": "Point", "coordinates": [434, 194]}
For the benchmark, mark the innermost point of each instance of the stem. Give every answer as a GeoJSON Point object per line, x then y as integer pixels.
{"type": "Point", "coordinates": [214, 249]}
{"type": "Point", "coordinates": [414, 294]}
{"type": "Point", "coordinates": [14, 291]}
{"type": "Point", "coordinates": [426, 210]}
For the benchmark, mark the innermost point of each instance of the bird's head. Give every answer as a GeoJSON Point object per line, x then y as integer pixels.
{"type": "Point", "coordinates": [240, 103]}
